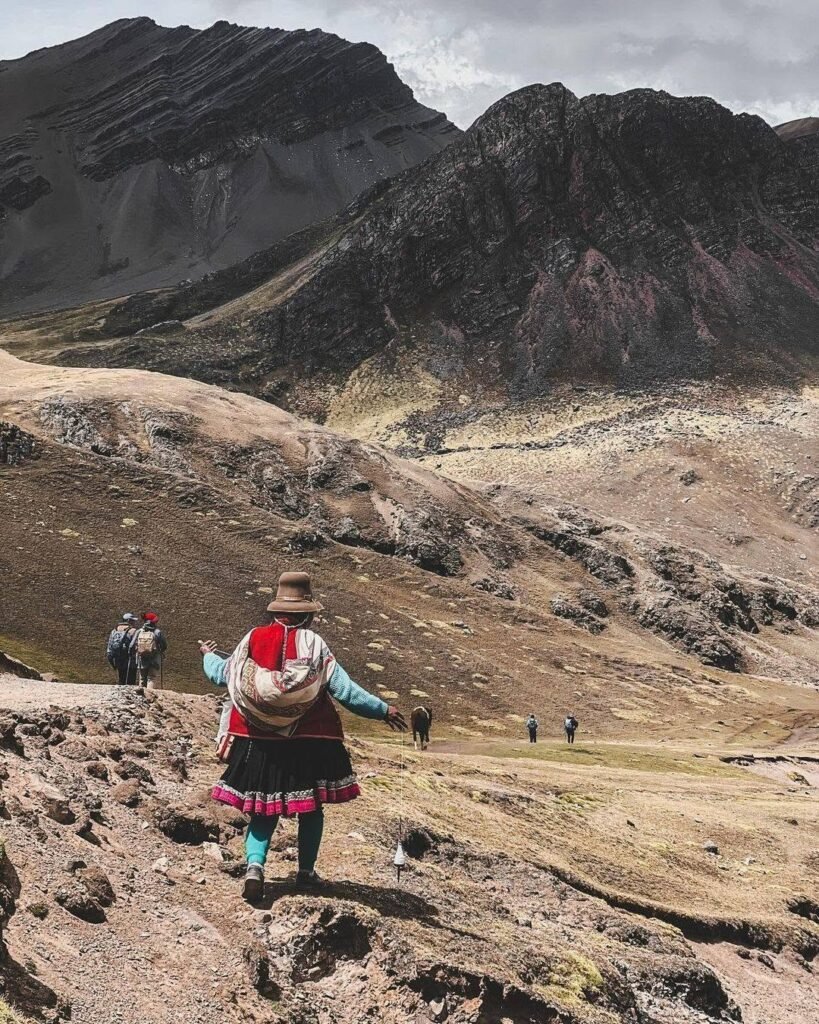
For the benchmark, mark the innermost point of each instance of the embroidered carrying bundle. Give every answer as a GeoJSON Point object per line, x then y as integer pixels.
{"type": "Point", "coordinates": [276, 698]}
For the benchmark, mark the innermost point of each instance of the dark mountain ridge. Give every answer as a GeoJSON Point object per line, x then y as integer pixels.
{"type": "Point", "coordinates": [632, 237]}
{"type": "Point", "coordinates": [158, 154]}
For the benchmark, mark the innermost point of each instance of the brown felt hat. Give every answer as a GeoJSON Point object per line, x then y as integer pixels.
{"type": "Point", "coordinates": [294, 595]}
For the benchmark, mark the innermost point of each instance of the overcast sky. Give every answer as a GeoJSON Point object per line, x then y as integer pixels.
{"type": "Point", "coordinates": [461, 55]}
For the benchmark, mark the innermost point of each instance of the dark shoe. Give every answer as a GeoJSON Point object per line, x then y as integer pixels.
{"type": "Point", "coordinates": [308, 880]}
{"type": "Point", "coordinates": [253, 887]}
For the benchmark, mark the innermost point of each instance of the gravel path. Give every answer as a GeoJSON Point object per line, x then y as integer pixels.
{"type": "Point", "coordinates": [22, 694]}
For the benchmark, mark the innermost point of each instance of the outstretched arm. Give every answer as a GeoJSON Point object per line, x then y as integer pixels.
{"type": "Point", "coordinates": [358, 701]}
{"type": "Point", "coordinates": [214, 666]}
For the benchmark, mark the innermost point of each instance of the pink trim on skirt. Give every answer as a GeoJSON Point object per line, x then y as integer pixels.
{"type": "Point", "coordinates": [287, 804]}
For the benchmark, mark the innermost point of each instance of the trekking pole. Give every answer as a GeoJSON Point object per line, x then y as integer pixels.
{"type": "Point", "coordinates": [399, 860]}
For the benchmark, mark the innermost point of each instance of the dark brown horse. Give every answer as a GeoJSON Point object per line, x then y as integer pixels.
{"type": "Point", "coordinates": [421, 721]}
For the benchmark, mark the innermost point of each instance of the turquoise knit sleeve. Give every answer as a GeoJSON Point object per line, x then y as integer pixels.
{"type": "Point", "coordinates": [354, 697]}
{"type": "Point", "coordinates": [215, 668]}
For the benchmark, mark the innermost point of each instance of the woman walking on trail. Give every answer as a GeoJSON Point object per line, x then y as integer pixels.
{"type": "Point", "coordinates": [284, 743]}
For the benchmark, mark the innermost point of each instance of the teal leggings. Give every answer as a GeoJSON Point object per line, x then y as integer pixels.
{"type": "Point", "coordinates": [260, 832]}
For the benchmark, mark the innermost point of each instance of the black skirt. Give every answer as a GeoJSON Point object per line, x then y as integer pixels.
{"type": "Point", "coordinates": [287, 776]}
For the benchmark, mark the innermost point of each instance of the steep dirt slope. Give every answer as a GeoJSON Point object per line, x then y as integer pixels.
{"type": "Point", "coordinates": [558, 884]}
{"type": "Point", "coordinates": [140, 156]}
{"type": "Point", "coordinates": [142, 488]}
{"type": "Point", "coordinates": [126, 488]}
{"type": "Point", "coordinates": [684, 476]}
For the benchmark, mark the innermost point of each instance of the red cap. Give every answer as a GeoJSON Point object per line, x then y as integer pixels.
{"type": "Point", "coordinates": [150, 617]}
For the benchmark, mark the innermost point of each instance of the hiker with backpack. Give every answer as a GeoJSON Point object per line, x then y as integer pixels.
{"type": "Point", "coordinates": [119, 652]}
{"type": "Point", "coordinates": [532, 724]}
{"type": "Point", "coordinates": [570, 724]}
{"type": "Point", "coordinates": [284, 743]}
{"type": "Point", "coordinates": [148, 646]}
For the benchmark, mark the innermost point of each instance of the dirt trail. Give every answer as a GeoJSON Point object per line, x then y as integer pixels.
{"type": "Point", "coordinates": [34, 694]}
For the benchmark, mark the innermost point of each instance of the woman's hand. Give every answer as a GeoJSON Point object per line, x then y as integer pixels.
{"type": "Point", "coordinates": [207, 646]}
{"type": "Point", "coordinates": [395, 720]}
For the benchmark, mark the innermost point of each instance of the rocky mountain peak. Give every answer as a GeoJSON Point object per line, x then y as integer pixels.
{"type": "Point", "coordinates": [161, 153]}
{"type": "Point", "coordinates": [622, 236]}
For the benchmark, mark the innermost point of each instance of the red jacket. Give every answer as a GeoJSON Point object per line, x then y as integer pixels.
{"type": "Point", "coordinates": [322, 721]}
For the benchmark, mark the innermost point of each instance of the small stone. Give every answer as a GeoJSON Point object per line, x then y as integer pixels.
{"type": "Point", "coordinates": [185, 826]}
{"type": "Point", "coordinates": [214, 851]}
{"type": "Point", "coordinates": [76, 750]}
{"type": "Point", "coordinates": [710, 846]}
{"type": "Point", "coordinates": [131, 770]}
{"type": "Point", "coordinates": [98, 885]}
{"type": "Point", "coordinates": [257, 966]}
{"type": "Point", "coordinates": [85, 825]}
{"type": "Point", "coordinates": [161, 866]}
{"type": "Point", "coordinates": [127, 793]}
{"type": "Point", "coordinates": [77, 900]}
{"type": "Point", "coordinates": [54, 803]}
{"type": "Point", "coordinates": [438, 1008]}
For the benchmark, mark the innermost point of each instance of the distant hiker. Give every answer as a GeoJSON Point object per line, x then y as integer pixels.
{"type": "Point", "coordinates": [284, 742]}
{"type": "Point", "coordinates": [149, 646]}
{"type": "Point", "coordinates": [570, 724]}
{"type": "Point", "coordinates": [420, 721]}
{"type": "Point", "coordinates": [119, 652]}
{"type": "Point", "coordinates": [532, 724]}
